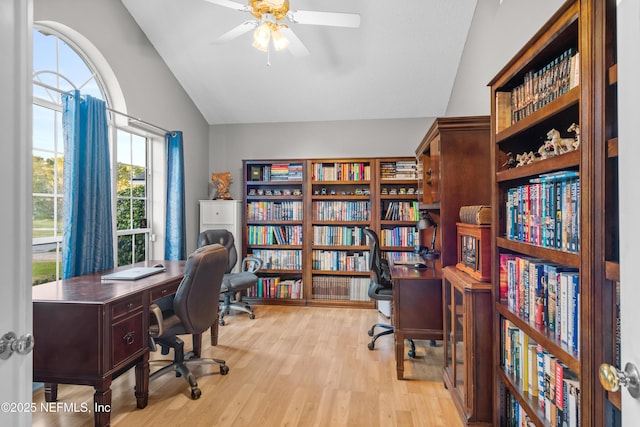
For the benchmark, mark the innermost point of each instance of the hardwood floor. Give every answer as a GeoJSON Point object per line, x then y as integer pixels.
{"type": "Point", "coordinates": [291, 366]}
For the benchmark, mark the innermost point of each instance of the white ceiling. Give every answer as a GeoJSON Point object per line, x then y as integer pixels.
{"type": "Point", "coordinates": [400, 63]}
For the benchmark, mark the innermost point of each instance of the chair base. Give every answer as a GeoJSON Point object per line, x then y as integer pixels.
{"type": "Point", "coordinates": [230, 303]}
{"type": "Point", "coordinates": [180, 365]}
{"type": "Point", "coordinates": [388, 329]}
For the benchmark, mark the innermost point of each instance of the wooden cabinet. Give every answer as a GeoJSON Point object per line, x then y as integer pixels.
{"type": "Point", "coordinates": [225, 215]}
{"type": "Point", "coordinates": [455, 163]}
{"type": "Point", "coordinates": [566, 233]}
{"type": "Point", "coordinates": [467, 345]}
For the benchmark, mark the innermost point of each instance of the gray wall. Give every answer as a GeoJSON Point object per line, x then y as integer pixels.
{"type": "Point", "coordinates": [151, 91]}
{"type": "Point", "coordinates": [230, 144]}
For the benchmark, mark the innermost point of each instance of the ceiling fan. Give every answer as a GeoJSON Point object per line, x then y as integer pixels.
{"type": "Point", "coordinates": [268, 24]}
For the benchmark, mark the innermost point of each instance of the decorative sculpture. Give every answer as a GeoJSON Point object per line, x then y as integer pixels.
{"type": "Point", "coordinates": [560, 145]}
{"type": "Point", "coordinates": [222, 180]}
{"type": "Point", "coordinates": [576, 129]}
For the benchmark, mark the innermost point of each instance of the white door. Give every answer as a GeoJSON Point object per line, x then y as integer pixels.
{"type": "Point", "coordinates": [15, 190]}
{"type": "Point", "coordinates": [629, 158]}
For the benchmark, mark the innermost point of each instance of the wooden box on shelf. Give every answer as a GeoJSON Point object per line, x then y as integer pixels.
{"type": "Point", "coordinates": [474, 250]}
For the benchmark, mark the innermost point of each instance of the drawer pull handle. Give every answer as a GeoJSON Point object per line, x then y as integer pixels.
{"type": "Point", "coordinates": [129, 306]}
{"type": "Point", "coordinates": [164, 291]}
{"type": "Point", "coordinates": [129, 337]}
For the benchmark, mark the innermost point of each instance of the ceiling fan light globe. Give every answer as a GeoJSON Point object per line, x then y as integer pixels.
{"type": "Point", "coordinates": [261, 37]}
{"type": "Point", "coordinates": [280, 42]}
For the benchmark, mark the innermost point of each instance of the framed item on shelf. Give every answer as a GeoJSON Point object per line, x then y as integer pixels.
{"type": "Point", "coordinates": [474, 250]}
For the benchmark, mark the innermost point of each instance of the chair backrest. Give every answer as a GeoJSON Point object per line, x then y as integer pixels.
{"type": "Point", "coordinates": [196, 300]}
{"type": "Point", "coordinates": [378, 265]}
{"type": "Point", "coordinates": [221, 237]}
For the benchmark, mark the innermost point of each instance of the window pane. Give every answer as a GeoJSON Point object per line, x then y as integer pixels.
{"type": "Point", "coordinates": [123, 209]}
{"type": "Point", "coordinates": [124, 180]}
{"type": "Point", "coordinates": [43, 172]}
{"type": "Point", "coordinates": [43, 216]}
{"type": "Point", "coordinates": [138, 150]}
{"type": "Point", "coordinates": [139, 182]}
{"type": "Point", "coordinates": [43, 128]}
{"type": "Point", "coordinates": [141, 247]}
{"type": "Point", "coordinates": [125, 247]}
{"type": "Point", "coordinates": [139, 213]}
{"type": "Point", "coordinates": [59, 173]}
{"type": "Point", "coordinates": [58, 230]}
{"type": "Point", "coordinates": [124, 147]}
{"type": "Point", "coordinates": [72, 66]}
{"type": "Point", "coordinates": [44, 260]}
{"type": "Point", "coordinates": [44, 51]}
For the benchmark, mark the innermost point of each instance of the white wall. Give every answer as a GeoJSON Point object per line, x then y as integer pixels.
{"type": "Point", "coordinates": [497, 33]}
{"type": "Point", "coordinates": [151, 91]}
{"type": "Point", "coordinates": [230, 144]}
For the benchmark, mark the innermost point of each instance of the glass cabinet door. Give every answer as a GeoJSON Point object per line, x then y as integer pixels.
{"type": "Point", "coordinates": [457, 341]}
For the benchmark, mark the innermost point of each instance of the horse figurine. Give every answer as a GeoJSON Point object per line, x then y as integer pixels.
{"type": "Point", "coordinates": [560, 145]}
{"type": "Point", "coordinates": [576, 129]}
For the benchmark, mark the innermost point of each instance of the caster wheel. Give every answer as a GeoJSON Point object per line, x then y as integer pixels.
{"type": "Point", "coordinates": [252, 316]}
{"type": "Point", "coordinates": [370, 346]}
{"type": "Point", "coordinates": [224, 370]}
{"type": "Point", "coordinates": [411, 354]}
{"type": "Point", "coordinates": [432, 343]}
{"type": "Point", "coordinates": [370, 332]}
{"type": "Point", "coordinates": [195, 393]}
{"type": "Point", "coordinates": [221, 322]}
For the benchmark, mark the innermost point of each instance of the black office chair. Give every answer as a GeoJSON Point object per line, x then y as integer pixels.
{"type": "Point", "coordinates": [233, 283]}
{"type": "Point", "coordinates": [381, 288]}
{"type": "Point", "coordinates": [189, 312]}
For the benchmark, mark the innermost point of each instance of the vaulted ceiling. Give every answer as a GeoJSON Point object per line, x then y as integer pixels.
{"type": "Point", "coordinates": [400, 63]}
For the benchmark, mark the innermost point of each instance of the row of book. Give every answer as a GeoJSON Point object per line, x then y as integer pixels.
{"type": "Point", "coordinates": [339, 260]}
{"type": "Point", "coordinates": [341, 211]}
{"type": "Point", "coordinates": [274, 211]}
{"type": "Point", "coordinates": [279, 259]}
{"type": "Point", "coordinates": [546, 84]}
{"type": "Point", "coordinates": [544, 294]}
{"type": "Point", "coordinates": [542, 376]}
{"type": "Point", "coordinates": [401, 169]}
{"type": "Point", "coordinates": [276, 172]}
{"type": "Point", "coordinates": [274, 234]}
{"type": "Point", "coordinates": [355, 171]}
{"type": "Point", "coordinates": [546, 211]}
{"type": "Point", "coordinates": [275, 287]}
{"type": "Point", "coordinates": [401, 211]}
{"type": "Point", "coordinates": [399, 236]}
{"type": "Point", "coordinates": [331, 235]}
{"type": "Point", "coordinates": [341, 288]}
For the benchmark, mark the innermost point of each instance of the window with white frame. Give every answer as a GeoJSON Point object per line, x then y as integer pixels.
{"type": "Point", "coordinates": [60, 67]}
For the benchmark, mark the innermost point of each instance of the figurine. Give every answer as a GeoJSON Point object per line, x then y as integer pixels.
{"type": "Point", "coordinates": [560, 145]}
{"type": "Point", "coordinates": [511, 161]}
{"type": "Point", "coordinates": [222, 180]}
{"type": "Point", "coordinates": [576, 129]}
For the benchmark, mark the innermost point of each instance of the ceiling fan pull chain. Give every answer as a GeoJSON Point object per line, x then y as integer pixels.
{"type": "Point", "coordinates": [269, 55]}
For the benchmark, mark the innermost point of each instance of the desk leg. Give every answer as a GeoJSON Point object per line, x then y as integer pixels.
{"type": "Point", "coordinates": [50, 392]}
{"type": "Point", "coordinates": [142, 381]}
{"type": "Point", "coordinates": [399, 337]}
{"type": "Point", "coordinates": [102, 402]}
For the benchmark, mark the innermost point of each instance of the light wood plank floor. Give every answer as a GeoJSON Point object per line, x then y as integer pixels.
{"type": "Point", "coordinates": [291, 366]}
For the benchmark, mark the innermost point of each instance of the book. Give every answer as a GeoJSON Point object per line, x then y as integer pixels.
{"type": "Point", "coordinates": [476, 214]}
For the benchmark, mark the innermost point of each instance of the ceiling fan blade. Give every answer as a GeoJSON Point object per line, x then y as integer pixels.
{"type": "Point", "coordinates": [296, 47]}
{"type": "Point", "coordinates": [241, 29]}
{"type": "Point", "coordinates": [334, 19]}
{"type": "Point", "coordinates": [231, 4]}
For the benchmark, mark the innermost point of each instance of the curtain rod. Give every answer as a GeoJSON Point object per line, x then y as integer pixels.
{"type": "Point", "coordinates": [55, 89]}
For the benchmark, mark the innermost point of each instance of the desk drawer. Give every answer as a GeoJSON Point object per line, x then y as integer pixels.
{"type": "Point", "coordinates": [127, 338]}
{"type": "Point", "coordinates": [127, 306]}
{"type": "Point", "coordinates": [163, 291]}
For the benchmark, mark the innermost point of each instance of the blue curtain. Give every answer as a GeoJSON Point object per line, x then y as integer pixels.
{"type": "Point", "coordinates": [175, 246]}
{"type": "Point", "coordinates": [87, 239]}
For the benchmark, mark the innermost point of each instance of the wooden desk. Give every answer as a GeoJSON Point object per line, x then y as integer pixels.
{"type": "Point", "coordinates": [416, 308]}
{"type": "Point", "coordinates": [88, 331]}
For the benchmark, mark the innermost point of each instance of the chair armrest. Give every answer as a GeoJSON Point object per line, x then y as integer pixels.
{"type": "Point", "coordinates": [251, 264]}
{"type": "Point", "coordinates": [155, 328]}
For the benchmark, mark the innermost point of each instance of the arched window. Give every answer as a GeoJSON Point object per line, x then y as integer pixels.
{"type": "Point", "coordinates": [60, 65]}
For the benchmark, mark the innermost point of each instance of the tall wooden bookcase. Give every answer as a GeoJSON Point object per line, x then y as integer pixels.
{"type": "Point", "coordinates": [306, 220]}
{"type": "Point", "coordinates": [547, 249]}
